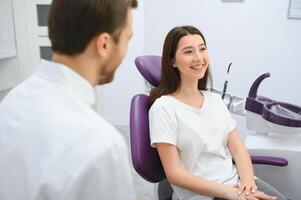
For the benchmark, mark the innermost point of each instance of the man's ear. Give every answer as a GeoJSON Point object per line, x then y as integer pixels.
{"type": "Point", "coordinates": [104, 44]}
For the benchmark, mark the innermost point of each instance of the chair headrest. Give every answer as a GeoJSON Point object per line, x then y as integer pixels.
{"type": "Point", "coordinates": [150, 68]}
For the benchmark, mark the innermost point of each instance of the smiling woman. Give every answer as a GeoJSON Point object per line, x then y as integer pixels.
{"type": "Point", "coordinates": [193, 130]}
{"type": "Point", "coordinates": [187, 43]}
{"type": "Point", "coordinates": [191, 57]}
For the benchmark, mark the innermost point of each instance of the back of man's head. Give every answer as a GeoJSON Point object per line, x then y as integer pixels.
{"type": "Point", "coordinates": [72, 24]}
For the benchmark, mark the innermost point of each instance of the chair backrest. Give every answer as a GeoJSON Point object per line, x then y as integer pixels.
{"type": "Point", "coordinates": [145, 159]}
{"type": "Point", "coordinates": [150, 68]}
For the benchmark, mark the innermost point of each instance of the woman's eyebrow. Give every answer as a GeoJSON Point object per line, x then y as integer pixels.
{"type": "Point", "coordinates": [188, 47]}
{"type": "Point", "coordinates": [191, 47]}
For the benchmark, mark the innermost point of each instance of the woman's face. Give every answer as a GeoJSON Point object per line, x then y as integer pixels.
{"type": "Point", "coordinates": [191, 57]}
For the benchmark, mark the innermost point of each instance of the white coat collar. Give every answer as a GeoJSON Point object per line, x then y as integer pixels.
{"type": "Point", "coordinates": [60, 73]}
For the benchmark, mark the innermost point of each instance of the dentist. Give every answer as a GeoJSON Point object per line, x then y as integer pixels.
{"type": "Point", "coordinates": [53, 144]}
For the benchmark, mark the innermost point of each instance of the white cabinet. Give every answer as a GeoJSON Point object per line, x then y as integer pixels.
{"type": "Point", "coordinates": [8, 61]}
{"type": "Point", "coordinates": [23, 39]}
{"type": "Point", "coordinates": [7, 36]}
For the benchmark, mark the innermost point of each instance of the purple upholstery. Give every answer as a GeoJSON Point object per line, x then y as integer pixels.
{"type": "Point", "coordinates": [145, 159]}
{"type": "Point", "coordinates": [269, 160]}
{"type": "Point", "coordinates": [150, 68]}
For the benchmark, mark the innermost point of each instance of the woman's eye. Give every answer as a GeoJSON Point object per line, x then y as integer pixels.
{"type": "Point", "coordinates": [203, 49]}
{"type": "Point", "coordinates": [188, 52]}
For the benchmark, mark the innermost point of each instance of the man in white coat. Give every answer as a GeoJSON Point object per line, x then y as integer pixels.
{"type": "Point", "coordinates": [53, 144]}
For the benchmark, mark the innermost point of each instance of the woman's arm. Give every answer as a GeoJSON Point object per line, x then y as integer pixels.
{"type": "Point", "coordinates": [245, 168]}
{"type": "Point", "coordinates": [242, 161]}
{"type": "Point", "coordinates": [177, 175]}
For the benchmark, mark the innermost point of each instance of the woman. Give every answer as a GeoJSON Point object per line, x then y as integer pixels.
{"type": "Point", "coordinates": [193, 131]}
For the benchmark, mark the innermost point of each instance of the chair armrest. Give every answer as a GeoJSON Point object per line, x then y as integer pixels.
{"type": "Point", "coordinates": [269, 160]}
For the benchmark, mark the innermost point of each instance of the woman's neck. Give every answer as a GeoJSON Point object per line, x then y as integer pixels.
{"type": "Point", "coordinates": [188, 88]}
{"type": "Point", "coordinates": [189, 94]}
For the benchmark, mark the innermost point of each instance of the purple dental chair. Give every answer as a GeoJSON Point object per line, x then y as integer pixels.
{"type": "Point", "coordinates": [145, 159]}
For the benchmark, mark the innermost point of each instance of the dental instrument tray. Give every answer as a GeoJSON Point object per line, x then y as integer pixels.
{"type": "Point", "coordinates": [278, 114]}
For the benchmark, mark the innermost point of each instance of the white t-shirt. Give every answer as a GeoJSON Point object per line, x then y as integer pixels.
{"type": "Point", "coordinates": [200, 136]}
{"type": "Point", "coordinates": [54, 146]}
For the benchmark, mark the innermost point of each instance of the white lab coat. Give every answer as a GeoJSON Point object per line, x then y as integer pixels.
{"type": "Point", "coordinates": [54, 146]}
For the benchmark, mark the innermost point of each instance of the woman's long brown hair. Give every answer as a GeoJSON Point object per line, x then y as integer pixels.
{"type": "Point", "coordinates": [170, 76]}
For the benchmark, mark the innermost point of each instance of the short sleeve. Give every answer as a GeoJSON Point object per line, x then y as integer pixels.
{"type": "Point", "coordinates": [162, 124]}
{"type": "Point", "coordinates": [105, 175]}
{"type": "Point", "coordinates": [231, 123]}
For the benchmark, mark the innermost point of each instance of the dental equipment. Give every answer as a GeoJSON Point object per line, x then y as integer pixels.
{"type": "Point", "coordinates": [226, 82]}
{"type": "Point", "coordinates": [277, 127]}
{"type": "Point", "coordinates": [278, 133]}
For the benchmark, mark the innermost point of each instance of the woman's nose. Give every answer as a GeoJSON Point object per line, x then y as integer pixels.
{"type": "Point", "coordinates": [199, 57]}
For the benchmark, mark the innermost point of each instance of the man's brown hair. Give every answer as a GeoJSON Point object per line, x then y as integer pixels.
{"type": "Point", "coordinates": [72, 24]}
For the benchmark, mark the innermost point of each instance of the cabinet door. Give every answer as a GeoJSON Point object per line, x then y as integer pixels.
{"type": "Point", "coordinates": [45, 48]}
{"type": "Point", "coordinates": [8, 61]}
{"type": "Point", "coordinates": [43, 42]}
{"type": "Point", "coordinates": [31, 34]}
{"type": "Point", "coordinates": [38, 19]}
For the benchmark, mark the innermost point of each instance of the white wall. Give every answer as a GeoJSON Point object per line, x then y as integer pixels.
{"type": "Point", "coordinates": [114, 98]}
{"type": "Point", "coordinates": [255, 35]}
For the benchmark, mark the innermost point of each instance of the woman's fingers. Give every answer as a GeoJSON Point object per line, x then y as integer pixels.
{"type": "Point", "coordinates": [248, 190]}
{"type": "Point", "coordinates": [262, 196]}
{"type": "Point", "coordinates": [252, 198]}
{"type": "Point", "coordinates": [254, 189]}
{"type": "Point", "coordinates": [241, 189]}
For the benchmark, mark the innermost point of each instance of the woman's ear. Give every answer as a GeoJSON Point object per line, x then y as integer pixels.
{"type": "Point", "coordinates": [104, 44]}
{"type": "Point", "coordinates": [173, 62]}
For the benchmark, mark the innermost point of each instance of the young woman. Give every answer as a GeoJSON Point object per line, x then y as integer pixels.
{"type": "Point", "coordinates": [193, 131]}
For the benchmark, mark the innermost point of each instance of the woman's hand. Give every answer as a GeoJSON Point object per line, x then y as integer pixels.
{"type": "Point", "coordinates": [260, 196]}
{"type": "Point", "coordinates": [248, 194]}
{"type": "Point", "coordinates": [247, 188]}
{"type": "Point", "coordinates": [232, 193]}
